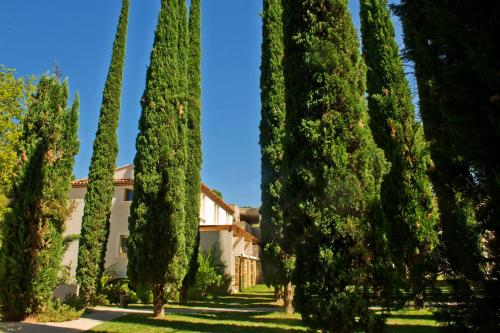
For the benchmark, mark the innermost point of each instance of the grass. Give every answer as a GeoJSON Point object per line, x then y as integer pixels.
{"type": "Point", "coordinates": [205, 322]}
{"type": "Point", "coordinates": [410, 321]}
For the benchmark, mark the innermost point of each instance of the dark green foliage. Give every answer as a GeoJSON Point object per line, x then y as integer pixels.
{"type": "Point", "coordinates": [210, 279]}
{"type": "Point", "coordinates": [457, 60]}
{"type": "Point", "coordinates": [219, 193]}
{"type": "Point", "coordinates": [157, 245]}
{"type": "Point", "coordinates": [272, 133]}
{"type": "Point", "coordinates": [59, 311]}
{"type": "Point", "coordinates": [409, 210]}
{"type": "Point", "coordinates": [114, 288]}
{"type": "Point", "coordinates": [334, 169]}
{"type": "Point", "coordinates": [32, 232]}
{"type": "Point", "coordinates": [193, 178]}
{"type": "Point", "coordinates": [145, 295]}
{"type": "Point", "coordinates": [97, 210]}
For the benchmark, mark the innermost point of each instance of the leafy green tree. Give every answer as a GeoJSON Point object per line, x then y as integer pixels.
{"type": "Point", "coordinates": [157, 245]}
{"type": "Point", "coordinates": [14, 94]}
{"type": "Point", "coordinates": [458, 89]}
{"type": "Point", "coordinates": [333, 168]}
{"type": "Point", "coordinates": [33, 245]}
{"type": "Point", "coordinates": [275, 261]}
{"type": "Point", "coordinates": [97, 210]}
{"type": "Point", "coordinates": [409, 210]}
{"type": "Point", "coordinates": [193, 177]}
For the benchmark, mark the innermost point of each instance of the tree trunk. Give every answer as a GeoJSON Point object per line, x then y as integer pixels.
{"type": "Point", "coordinates": [158, 301]}
{"type": "Point", "coordinates": [419, 300]}
{"type": "Point", "coordinates": [183, 299]}
{"type": "Point", "coordinates": [278, 294]}
{"type": "Point", "coordinates": [289, 298]}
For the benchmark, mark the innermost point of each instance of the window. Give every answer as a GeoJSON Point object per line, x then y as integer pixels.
{"type": "Point", "coordinates": [123, 244]}
{"type": "Point", "coordinates": [129, 194]}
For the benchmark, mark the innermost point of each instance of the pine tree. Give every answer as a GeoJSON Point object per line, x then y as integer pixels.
{"type": "Point", "coordinates": [334, 169]}
{"type": "Point", "coordinates": [33, 244]}
{"type": "Point", "coordinates": [275, 261]}
{"type": "Point", "coordinates": [408, 207]}
{"type": "Point", "coordinates": [97, 209]}
{"type": "Point", "coordinates": [193, 177]}
{"type": "Point", "coordinates": [458, 89]}
{"type": "Point", "coordinates": [157, 257]}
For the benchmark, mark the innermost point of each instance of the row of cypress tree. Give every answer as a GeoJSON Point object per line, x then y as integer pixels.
{"type": "Point", "coordinates": [457, 66]}
{"type": "Point", "coordinates": [164, 214]}
{"type": "Point", "coordinates": [356, 226]}
{"type": "Point", "coordinates": [164, 217]}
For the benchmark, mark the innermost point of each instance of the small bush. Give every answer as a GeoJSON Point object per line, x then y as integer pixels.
{"type": "Point", "coordinates": [210, 279]}
{"type": "Point", "coordinates": [58, 311]}
{"type": "Point", "coordinates": [75, 302]}
{"type": "Point", "coordinates": [119, 287]}
{"type": "Point", "coordinates": [145, 295]}
{"type": "Point", "coordinates": [112, 288]}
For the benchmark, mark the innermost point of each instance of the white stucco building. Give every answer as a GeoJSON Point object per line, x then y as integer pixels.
{"type": "Point", "coordinates": [221, 227]}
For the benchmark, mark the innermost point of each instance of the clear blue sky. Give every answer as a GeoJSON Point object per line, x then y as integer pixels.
{"type": "Point", "coordinates": [78, 35]}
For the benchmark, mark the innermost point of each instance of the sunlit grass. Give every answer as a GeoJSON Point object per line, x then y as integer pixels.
{"type": "Point", "coordinates": [409, 321]}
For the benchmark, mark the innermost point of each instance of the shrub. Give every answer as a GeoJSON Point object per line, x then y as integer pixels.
{"type": "Point", "coordinates": [75, 302]}
{"type": "Point", "coordinates": [58, 311]}
{"type": "Point", "coordinates": [210, 279]}
{"type": "Point", "coordinates": [145, 295]}
{"type": "Point", "coordinates": [119, 287]}
{"type": "Point", "coordinates": [112, 288]}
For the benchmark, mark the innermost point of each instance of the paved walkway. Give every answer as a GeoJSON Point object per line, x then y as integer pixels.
{"type": "Point", "coordinates": [102, 314]}
{"type": "Point", "coordinates": [96, 317]}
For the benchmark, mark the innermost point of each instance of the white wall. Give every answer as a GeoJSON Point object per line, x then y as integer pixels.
{"type": "Point", "coordinates": [221, 241]}
{"type": "Point", "coordinates": [120, 212]}
{"type": "Point", "coordinates": [125, 172]}
{"type": "Point", "coordinates": [213, 214]}
{"type": "Point", "coordinates": [73, 227]}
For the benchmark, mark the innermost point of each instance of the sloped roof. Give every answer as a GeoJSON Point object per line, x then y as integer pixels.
{"type": "Point", "coordinates": [83, 182]}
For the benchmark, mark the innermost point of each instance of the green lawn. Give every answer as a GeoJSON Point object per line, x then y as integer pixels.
{"type": "Point", "coordinates": [249, 322]}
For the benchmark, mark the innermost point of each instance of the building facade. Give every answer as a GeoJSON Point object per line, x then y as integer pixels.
{"type": "Point", "coordinates": [222, 229]}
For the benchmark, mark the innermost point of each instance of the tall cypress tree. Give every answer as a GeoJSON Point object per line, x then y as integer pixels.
{"type": "Point", "coordinates": [193, 177]}
{"type": "Point", "coordinates": [157, 257]}
{"type": "Point", "coordinates": [275, 260]}
{"type": "Point", "coordinates": [33, 244]}
{"type": "Point", "coordinates": [408, 206]}
{"type": "Point", "coordinates": [334, 168]}
{"type": "Point", "coordinates": [459, 88]}
{"type": "Point", "coordinates": [97, 210]}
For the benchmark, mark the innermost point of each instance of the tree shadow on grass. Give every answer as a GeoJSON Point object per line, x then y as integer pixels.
{"type": "Point", "coordinates": [412, 316]}
{"type": "Point", "coordinates": [240, 301]}
{"type": "Point", "coordinates": [185, 326]}
{"type": "Point", "coordinates": [413, 329]}
{"type": "Point", "coordinates": [239, 305]}
{"type": "Point", "coordinates": [246, 317]}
